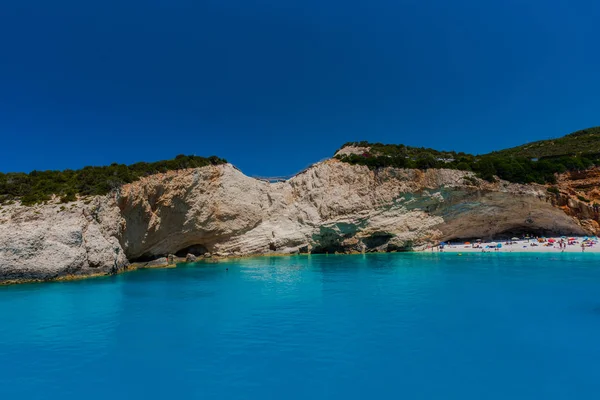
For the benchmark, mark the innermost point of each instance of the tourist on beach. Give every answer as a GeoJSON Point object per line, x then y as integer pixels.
{"type": "Point", "coordinates": [582, 247]}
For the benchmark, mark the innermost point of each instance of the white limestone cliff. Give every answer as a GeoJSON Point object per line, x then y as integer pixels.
{"type": "Point", "coordinates": [332, 206]}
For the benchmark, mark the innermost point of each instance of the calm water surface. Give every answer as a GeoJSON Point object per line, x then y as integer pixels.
{"type": "Point", "coordinates": [413, 326]}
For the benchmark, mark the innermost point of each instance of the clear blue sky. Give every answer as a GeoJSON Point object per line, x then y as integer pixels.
{"type": "Point", "coordinates": [274, 85]}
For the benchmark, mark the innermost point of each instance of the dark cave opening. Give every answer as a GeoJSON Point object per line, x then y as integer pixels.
{"type": "Point", "coordinates": [147, 258]}
{"type": "Point", "coordinates": [377, 240]}
{"type": "Point", "coordinates": [195, 249]}
{"type": "Point", "coordinates": [328, 249]}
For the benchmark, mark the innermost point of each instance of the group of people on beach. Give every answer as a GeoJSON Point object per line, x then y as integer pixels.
{"type": "Point", "coordinates": [523, 243]}
{"type": "Point", "coordinates": [562, 244]}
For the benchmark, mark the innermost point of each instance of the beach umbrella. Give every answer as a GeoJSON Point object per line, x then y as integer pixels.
{"type": "Point", "coordinates": [551, 240]}
{"type": "Point", "coordinates": [499, 245]}
{"type": "Point", "coordinates": [443, 244]}
{"type": "Point", "coordinates": [515, 238]}
{"type": "Point", "coordinates": [467, 242]}
{"type": "Point", "coordinates": [478, 240]}
{"type": "Point", "coordinates": [563, 237]}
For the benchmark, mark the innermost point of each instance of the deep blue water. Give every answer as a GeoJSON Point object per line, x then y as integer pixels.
{"type": "Point", "coordinates": [413, 326]}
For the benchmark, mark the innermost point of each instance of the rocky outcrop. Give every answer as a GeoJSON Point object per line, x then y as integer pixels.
{"type": "Point", "coordinates": [330, 207]}
{"type": "Point", "coordinates": [57, 241]}
{"type": "Point", "coordinates": [578, 195]}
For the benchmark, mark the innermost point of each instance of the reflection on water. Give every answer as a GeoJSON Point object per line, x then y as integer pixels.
{"type": "Point", "coordinates": [491, 326]}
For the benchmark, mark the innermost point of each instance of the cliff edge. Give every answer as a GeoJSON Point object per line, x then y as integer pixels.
{"type": "Point", "coordinates": [330, 207]}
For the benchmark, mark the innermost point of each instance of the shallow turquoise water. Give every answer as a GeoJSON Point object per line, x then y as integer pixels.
{"type": "Point", "coordinates": [414, 326]}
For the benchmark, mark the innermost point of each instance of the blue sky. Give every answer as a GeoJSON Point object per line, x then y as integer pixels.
{"type": "Point", "coordinates": [274, 85]}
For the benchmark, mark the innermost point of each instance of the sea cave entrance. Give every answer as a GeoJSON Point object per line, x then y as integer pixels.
{"type": "Point", "coordinates": [195, 249]}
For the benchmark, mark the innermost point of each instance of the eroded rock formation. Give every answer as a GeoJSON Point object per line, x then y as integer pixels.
{"type": "Point", "coordinates": [53, 241]}
{"type": "Point", "coordinates": [332, 206]}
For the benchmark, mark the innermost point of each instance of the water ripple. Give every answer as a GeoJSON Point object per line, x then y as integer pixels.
{"type": "Point", "coordinates": [363, 326]}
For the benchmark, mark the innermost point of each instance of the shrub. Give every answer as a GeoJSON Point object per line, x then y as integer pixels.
{"type": "Point", "coordinates": [68, 197]}
{"type": "Point", "coordinates": [581, 198]}
{"type": "Point", "coordinates": [507, 165]}
{"type": "Point", "coordinates": [39, 186]}
{"type": "Point", "coordinates": [463, 166]}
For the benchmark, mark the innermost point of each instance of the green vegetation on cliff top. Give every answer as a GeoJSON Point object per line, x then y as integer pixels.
{"type": "Point", "coordinates": [537, 162]}
{"type": "Point", "coordinates": [533, 162]}
{"type": "Point", "coordinates": [39, 186]}
{"type": "Point", "coordinates": [582, 143]}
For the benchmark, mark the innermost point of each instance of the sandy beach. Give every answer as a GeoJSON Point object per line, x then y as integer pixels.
{"type": "Point", "coordinates": [545, 245]}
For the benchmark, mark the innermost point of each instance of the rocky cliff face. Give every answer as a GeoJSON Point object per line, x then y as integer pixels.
{"type": "Point", "coordinates": [579, 196]}
{"type": "Point", "coordinates": [330, 207]}
{"type": "Point", "coordinates": [53, 241]}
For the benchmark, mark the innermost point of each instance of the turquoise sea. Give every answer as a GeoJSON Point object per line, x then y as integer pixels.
{"type": "Point", "coordinates": [379, 326]}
